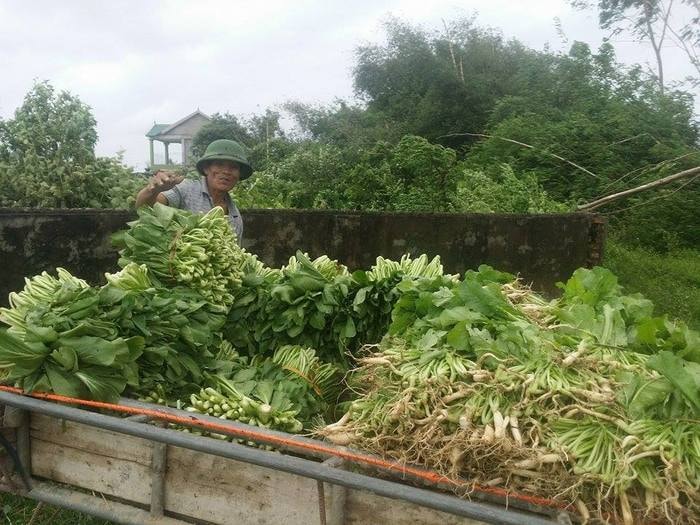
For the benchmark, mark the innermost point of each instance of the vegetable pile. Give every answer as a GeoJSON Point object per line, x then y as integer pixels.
{"type": "Point", "coordinates": [59, 342]}
{"type": "Point", "coordinates": [319, 303]}
{"type": "Point", "coordinates": [198, 251]}
{"type": "Point", "coordinates": [588, 399]}
{"type": "Point", "coordinates": [288, 392]}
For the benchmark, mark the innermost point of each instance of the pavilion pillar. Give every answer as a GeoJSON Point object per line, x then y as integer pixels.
{"type": "Point", "coordinates": [167, 155]}
{"type": "Point", "coordinates": [150, 147]}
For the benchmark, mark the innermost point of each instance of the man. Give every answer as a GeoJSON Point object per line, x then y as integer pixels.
{"type": "Point", "coordinates": [223, 164]}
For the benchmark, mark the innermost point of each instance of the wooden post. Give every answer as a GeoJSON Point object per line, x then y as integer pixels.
{"type": "Point", "coordinates": [158, 466]}
{"type": "Point", "coordinates": [331, 502]}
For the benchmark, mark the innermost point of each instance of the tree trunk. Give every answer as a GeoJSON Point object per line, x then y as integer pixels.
{"type": "Point", "coordinates": [648, 16]}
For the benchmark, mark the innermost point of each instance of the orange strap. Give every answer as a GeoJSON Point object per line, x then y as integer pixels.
{"type": "Point", "coordinates": [190, 421]}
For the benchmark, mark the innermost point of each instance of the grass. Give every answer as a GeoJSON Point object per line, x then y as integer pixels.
{"type": "Point", "coordinates": [671, 281]}
{"type": "Point", "coordinates": [15, 510]}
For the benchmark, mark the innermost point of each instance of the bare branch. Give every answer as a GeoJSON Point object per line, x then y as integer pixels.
{"type": "Point", "coordinates": [689, 51]}
{"type": "Point", "coordinates": [638, 172]}
{"type": "Point", "coordinates": [645, 134]}
{"type": "Point", "coordinates": [665, 22]}
{"type": "Point", "coordinates": [660, 182]}
{"type": "Point", "coordinates": [458, 71]}
{"type": "Point", "coordinates": [647, 202]}
{"type": "Point", "coordinates": [648, 18]}
{"type": "Point", "coordinates": [523, 145]}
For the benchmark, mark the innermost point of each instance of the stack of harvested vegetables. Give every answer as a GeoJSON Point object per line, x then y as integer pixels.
{"type": "Point", "coordinates": [587, 399]}
{"type": "Point", "coordinates": [180, 248]}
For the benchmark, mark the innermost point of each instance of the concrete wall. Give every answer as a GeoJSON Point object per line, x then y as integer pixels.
{"type": "Point", "coordinates": [544, 249]}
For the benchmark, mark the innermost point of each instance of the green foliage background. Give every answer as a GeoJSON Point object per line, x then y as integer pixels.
{"type": "Point", "coordinates": [459, 119]}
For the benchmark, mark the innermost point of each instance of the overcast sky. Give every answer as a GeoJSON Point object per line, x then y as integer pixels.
{"type": "Point", "coordinates": [135, 62]}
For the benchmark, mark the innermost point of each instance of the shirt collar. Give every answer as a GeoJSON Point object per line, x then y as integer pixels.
{"type": "Point", "coordinates": [205, 189]}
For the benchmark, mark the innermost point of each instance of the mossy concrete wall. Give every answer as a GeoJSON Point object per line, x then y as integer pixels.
{"type": "Point", "coordinates": [544, 249]}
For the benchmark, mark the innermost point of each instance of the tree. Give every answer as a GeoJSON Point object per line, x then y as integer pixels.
{"type": "Point", "coordinates": [49, 125]}
{"type": "Point", "coordinates": [433, 84]}
{"type": "Point", "coordinates": [221, 126]}
{"type": "Point", "coordinates": [47, 156]}
{"type": "Point", "coordinates": [616, 130]}
{"type": "Point", "coordinates": [261, 134]}
{"type": "Point", "coordinates": [652, 21]}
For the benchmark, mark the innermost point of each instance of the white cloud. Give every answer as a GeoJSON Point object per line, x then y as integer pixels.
{"type": "Point", "coordinates": [135, 62]}
{"type": "Point", "coordinates": [103, 76]}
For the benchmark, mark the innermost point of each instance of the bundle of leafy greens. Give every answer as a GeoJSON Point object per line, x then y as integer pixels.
{"type": "Point", "coordinates": [58, 342]}
{"type": "Point", "coordinates": [304, 304]}
{"type": "Point", "coordinates": [181, 248]}
{"type": "Point", "coordinates": [290, 391]}
{"type": "Point", "coordinates": [319, 304]}
{"type": "Point", "coordinates": [376, 291]}
{"type": "Point", "coordinates": [181, 329]}
{"type": "Point", "coordinates": [69, 329]}
{"type": "Point", "coordinates": [250, 300]}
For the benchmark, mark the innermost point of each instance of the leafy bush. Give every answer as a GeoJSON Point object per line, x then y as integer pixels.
{"type": "Point", "coordinates": [47, 157]}
{"type": "Point", "coordinates": [672, 280]}
{"type": "Point", "coordinates": [503, 192]}
{"type": "Point", "coordinates": [264, 190]}
{"type": "Point", "coordinates": [413, 176]}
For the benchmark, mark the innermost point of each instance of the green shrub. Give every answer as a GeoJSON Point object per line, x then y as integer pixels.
{"type": "Point", "coordinates": [671, 280]}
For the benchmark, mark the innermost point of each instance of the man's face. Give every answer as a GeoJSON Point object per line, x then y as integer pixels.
{"type": "Point", "coordinates": [222, 175]}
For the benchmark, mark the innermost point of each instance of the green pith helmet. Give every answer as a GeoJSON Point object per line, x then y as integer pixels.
{"type": "Point", "coordinates": [224, 149]}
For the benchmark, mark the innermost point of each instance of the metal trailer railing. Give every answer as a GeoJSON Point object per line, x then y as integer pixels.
{"type": "Point", "coordinates": [335, 487]}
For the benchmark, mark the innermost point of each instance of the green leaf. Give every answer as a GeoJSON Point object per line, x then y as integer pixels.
{"type": "Point", "coordinates": [458, 338]}
{"type": "Point", "coordinates": [430, 339]}
{"type": "Point", "coordinates": [40, 334]}
{"type": "Point", "coordinates": [644, 398]}
{"type": "Point", "coordinates": [264, 391]}
{"type": "Point", "coordinates": [306, 283]}
{"type": "Point", "coordinates": [66, 357]}
{"type": "Point", "coordinates": [360, 296]}
{"type": "Point", "coordinates": [317, 320]}
{"type": "Point", "coordinates": [485, 299]}
{"type": "Point", "coordinates": [103, 383]}
{"type": "Point", "coordinates": [452, 316]}
{"type": "Point", "coordinates": [349, 330]}
{"type": "Point", "coordinates": [685, 378]}
{"type": "Point", "coordinates": [245, 374]}
{"type": "Point", "coordinates": [164, 214]}
{"type": "Point", "coordinates": [64, 382]}
{"type": "Point", "coordinates": [191, 366]}
{"type": "Point", "coordinates": [18, 355]}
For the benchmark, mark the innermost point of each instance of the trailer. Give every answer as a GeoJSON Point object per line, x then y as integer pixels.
{"type": "Point", "coordinates": [129, 467]}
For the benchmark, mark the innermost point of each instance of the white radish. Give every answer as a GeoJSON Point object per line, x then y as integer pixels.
{"type": "Point", "coordinates": [583, 511]}
{"type": "Point", "coordinates": [515, 430]}
{"type": "Point", "coordinates": [499, 425]}
{"type": "Point", "coordinates": [341, 438]}
{"type": "Point", "coordinates": [488, 434]}
{"type": "Point", "coordinates": [627, 517]}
